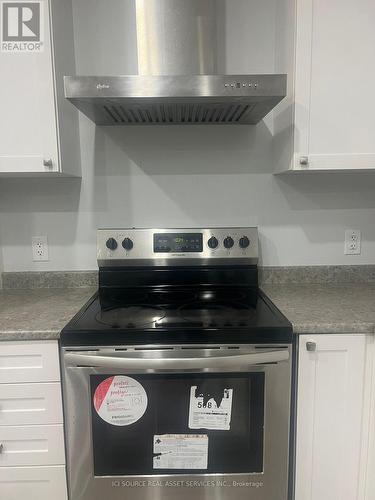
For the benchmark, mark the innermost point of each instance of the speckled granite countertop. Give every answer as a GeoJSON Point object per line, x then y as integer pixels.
{"type": "Point", "coordinates": [39, 314]}
{"type": "Point", "coordinates": [328, 308]}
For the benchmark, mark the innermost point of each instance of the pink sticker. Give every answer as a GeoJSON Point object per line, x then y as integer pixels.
{"type": "Point", "coordinates": [120, 400]}
{"type": "Point", "coordinates": [101, 392]}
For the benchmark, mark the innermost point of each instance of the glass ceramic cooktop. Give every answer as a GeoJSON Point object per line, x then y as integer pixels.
{"type": "Point", "coordinates": [154, 308]}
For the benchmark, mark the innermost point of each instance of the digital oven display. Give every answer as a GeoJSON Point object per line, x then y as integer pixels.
{"type": "Point", "coordinates": [178, 242]}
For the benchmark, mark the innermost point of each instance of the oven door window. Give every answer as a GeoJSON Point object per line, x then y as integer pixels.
{"type": "Point", "coordinates": [177, 424]}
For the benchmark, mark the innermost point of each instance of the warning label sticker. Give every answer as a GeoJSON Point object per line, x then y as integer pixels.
{"type": "Point", "coordinates": [120, 400]}
{"type": "Point", "coordinates": [206, 412]}
{"type": "Point", "coordinates": [180, 451]}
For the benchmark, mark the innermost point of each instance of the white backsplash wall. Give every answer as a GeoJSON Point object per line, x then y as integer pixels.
{"type": "Point", "coordinates": [182, 176]}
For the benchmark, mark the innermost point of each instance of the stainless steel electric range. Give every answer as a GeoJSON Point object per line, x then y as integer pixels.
{"type": "Point", "coordinates": [177, 372]}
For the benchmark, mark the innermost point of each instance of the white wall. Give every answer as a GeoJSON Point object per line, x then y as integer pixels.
{"type": "Point", "coordinates": [182, 176]}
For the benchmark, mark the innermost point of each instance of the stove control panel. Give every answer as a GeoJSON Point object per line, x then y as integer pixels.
{"type": "Point", "coordinates": [181, 242]}
{"type": "Point", "coordinates": [215, 246]}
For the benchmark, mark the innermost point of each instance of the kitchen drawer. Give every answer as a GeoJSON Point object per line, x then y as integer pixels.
{"type": "Point", "coordinates": [33, 483]}
{"type": "Point", "coordinates": [26, 404]}
{"type": "Point", "coordinates": [29, 362]}
{"type": "Point", "coordinates": [32, 445]}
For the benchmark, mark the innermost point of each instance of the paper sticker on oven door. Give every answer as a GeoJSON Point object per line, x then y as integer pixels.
{"type": "Point", "coordinates": [180, 451]}
{"type": "Point", "coordinates": [120, 400]}
{"type": "Point", "coordinates": [210, 410]}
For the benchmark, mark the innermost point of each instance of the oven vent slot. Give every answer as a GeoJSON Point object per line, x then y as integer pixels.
{"type": "Point", "coordinates": [269, 363]}
{"type": "Point", "coordinates": [190, 348]}
{"type": "Point", "coordinates": [154, 348]}
{"type": "Point", "coordinates": [271, 347]}
{"type": "Point", "coordinates": [82, 350]}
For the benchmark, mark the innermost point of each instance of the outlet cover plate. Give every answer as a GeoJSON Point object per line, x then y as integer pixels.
{"type": "Point", "coordinates": [40, 248]}
{"type": "Point", "coordinates": [352, 242]}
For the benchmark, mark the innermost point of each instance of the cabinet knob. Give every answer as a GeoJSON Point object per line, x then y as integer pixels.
{"type": "Point", "coordinates": [47, 162]}
{"type": "Point", "coordinates": [304, 160]}
{"type": "Point", "coordinates": [311, 346]}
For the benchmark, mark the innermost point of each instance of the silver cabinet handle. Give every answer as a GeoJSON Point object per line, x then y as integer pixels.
{"type": "Point", "coordinates": [234, 361]}
{"type": "Point", "coordinates": [311, 346]}
{"type": "Point", "coordinates": [1, 448]}
{"type": "Point", "coordinates": [47, 162]}
{"type": "Point", "coordinates": [304, 160]}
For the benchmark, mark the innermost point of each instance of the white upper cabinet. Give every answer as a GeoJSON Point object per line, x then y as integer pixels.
{"type": "Point", "coordinates": [38, 128]}
{"type": "Point", "coordinates": [334, 122]}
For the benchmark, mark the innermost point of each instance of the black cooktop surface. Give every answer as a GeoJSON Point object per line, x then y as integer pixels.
{"type": "Point", "coordinates": [177, 314]}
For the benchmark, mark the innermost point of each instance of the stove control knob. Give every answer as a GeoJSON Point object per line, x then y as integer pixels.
{"type": "Point", "coordinates": [212, 242]}
{"type": "Point", "coordinates": [127, 244]}
{"type": "Point", "coordinates": [244, 242]}
{"type": "Point", "coordinates": [228, 242]}
{"type": "Point", "coordinates": [111, 244]}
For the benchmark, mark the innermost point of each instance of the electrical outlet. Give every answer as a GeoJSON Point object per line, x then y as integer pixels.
{"type": "Point", "coordinates": [40, 248]}
{"type": "Point", "coordinates": [352, 242]}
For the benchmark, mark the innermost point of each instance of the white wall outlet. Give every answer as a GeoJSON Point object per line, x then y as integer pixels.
{"type": "Point", "coordinates": [40, 248]}
{"type": "Point", "coordinates": [352, 242]}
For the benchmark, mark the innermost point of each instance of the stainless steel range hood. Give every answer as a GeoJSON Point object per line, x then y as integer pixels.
{"type": "Point", "coordinates": [177, 82]}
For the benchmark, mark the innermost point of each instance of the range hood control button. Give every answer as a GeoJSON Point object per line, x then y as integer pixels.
{"type": "Point", "coordinates": [127, 244]}
{"type": "Point", "coordinates": [213, 242]}
{"type": "Point", "coordinates": [111, 244]}
{"type": "Point", "coordinates": [244, 242]}
{"type": "Point", "coordinates": [228, 242]}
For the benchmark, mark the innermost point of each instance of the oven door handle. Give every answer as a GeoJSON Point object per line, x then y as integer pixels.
{"type": "Point", "coordinates": [233, 361]}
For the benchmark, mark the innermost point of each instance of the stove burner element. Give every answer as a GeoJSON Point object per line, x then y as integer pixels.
{"type": "Point", "coordinates": [217, 313]}
{"type": "Point", "coordinates": [133, 316]}
{"type": "Point", "coordinates": [129, 297]}
{"type": "Point", "coordinates": [222, 296]}
{"type": "Point", "coordinates": [173, 296]}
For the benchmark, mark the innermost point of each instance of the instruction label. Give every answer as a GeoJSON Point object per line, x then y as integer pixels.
{"type": "Point", "coordinates": [209, 413]}
{"type": "Point", "coordinates": [120, 400]}
{"type": "Point", "coordinates": [180, 451]}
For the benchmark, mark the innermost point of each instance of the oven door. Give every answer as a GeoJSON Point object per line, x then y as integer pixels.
{"type": "Point", "coordinates": [176, 421]}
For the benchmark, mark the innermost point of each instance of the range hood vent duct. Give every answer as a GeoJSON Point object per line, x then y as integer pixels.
{"type": "Point", "coordinates": [177, 45]}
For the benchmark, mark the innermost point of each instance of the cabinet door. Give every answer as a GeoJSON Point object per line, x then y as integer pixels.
{"type": "Point", "coordinates": [27, 101]}
{"type": "Point", "coordinates": [32, 445]}
{"type": "Point", "coordinates": [33, 483]}
{"type": "Point", "coordinates": [334, 88]}
{"type": "Point", "coordinates": [29, 361]}
{"type": "Point", "coordinates": [30, 404]}
{"type": "Point", "coordinates": [369, 427]}
{"type": "Point", "coordinates": [329, 416]}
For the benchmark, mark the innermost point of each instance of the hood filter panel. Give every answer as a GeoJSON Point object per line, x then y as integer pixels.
{"type": "Point", "coordinates": [175, 114]}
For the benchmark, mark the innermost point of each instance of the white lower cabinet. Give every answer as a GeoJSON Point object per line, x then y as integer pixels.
{"type": "Point", "coordinates": [32, 450]}
{"type": "Point", "coordinates": [32, 445]}
{"type": "Point", "coordinates": [26, 404]}
{"type": "Point", "coordinates": [33, 483]}
{"type": "Point", "coordinates": [333, 417]}
{"type": "Point", "coordinates": [22, 362]}
{"type": "Point", "coordinates": [368, 472]}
